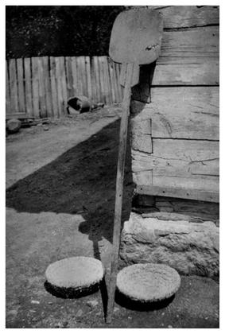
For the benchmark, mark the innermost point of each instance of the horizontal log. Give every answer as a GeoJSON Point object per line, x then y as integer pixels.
{"type": "Point", "coordinates": [188, 16]}
{"type": "Point", "coordinates": [197, 45]}
{"type": "Point", "coordinates": [184, 112]}
{"type": "Point", "coordinates": [186, 164]}
{"type": "Point", "coordinates": [189, 57]}
{"type": "Point", "coordinates": [179, 158]}
{"type": "Point", "coordinates": [200, 195]}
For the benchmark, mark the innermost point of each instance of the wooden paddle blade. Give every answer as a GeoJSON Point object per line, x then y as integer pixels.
{"type": "Point", "coordinates": [136, 36]}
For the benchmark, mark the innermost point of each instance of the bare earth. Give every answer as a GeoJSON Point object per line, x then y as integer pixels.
{"type": "Point", "coordinates": [60, 203]}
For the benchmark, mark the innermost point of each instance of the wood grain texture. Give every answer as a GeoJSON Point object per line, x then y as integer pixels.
{"type": "Point", "coordinates": [20, 78]}
{"type": "Point", "coordinates": [97, 79]}
{"type": "Point", "coordinates": [181, 112]}
{"type": "Point", "coordinates": [47, 85]}
{"type": "Point", "coordinates": [63, 83]}
{"type": "Point", "coordinates": [208, 196]}
{"type": "Point", "coordinates": [88, 73]}
{"type": "Point", "coordinates": [7, 91]}
{"type": "Point", "coordinates": [13, 86]}
{"type": "Point", "coordinates": [42, 90]}
{"type": "Point", "coordinates": [189, 57]}
{"type": "Point", "coordinates": [188, 16]}
{"type": "Point", "coordinates": [28, 86]}
{"type": "Point", "coordinates": [186, 164]}
{"type": "Point", "coordinates": [69, 77]}
{"type": "Point", "coordinates": [55, 109]}
{"type": "Point", "coordinates": [58, 86]}
{"type": "Point", "coordinates": [35, 87]}
{"type": "Point", "coordinates": [74, 76]}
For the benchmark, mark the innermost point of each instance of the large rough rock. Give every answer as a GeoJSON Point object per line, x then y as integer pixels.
{"type": "Point", "coordinates": [190, 248]}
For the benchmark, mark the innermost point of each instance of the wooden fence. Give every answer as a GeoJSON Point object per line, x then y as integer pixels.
{"type": "Point", "coordinates": [41, 86]}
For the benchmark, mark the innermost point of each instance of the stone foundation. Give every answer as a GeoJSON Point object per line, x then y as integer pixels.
{"type": "Point", "coordinates": [191, 248]}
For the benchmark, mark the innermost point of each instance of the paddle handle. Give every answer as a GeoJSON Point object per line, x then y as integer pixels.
{"type": "Point", "coordinates": [119, 188]}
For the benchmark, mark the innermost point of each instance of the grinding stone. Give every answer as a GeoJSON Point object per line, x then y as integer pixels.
{"type": "Point", "coordinates": [76, 272]}
{"type": "Point", "coordinates": [148, 282]}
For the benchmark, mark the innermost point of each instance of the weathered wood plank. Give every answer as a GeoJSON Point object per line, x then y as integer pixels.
{"type": "Point", "coordinates": [28, 86]}
{"type": "Point", "coordinates": [47, 85]}
{"type": "Point", "coordinates": [96, 80]}
{"type": "Point", "coordinates": [186, 164]}
{"type": "Point", "coordinates": [120, 88]}
{"type": "Point", "coordinates": [197, 45]}
{"type": "Point", "coordinates": [20, 79]}
{"type": "Point", "coordinates": [200, 195]}
{"type": "Point", "coordinates": [117, 85]}
{"type": "Point", "coordinates": [63, 83]}
{"type": "Point", "coordinates": [107, 81]}
{"type": "Point", "coordinates": [8, 108]}
{"type": "Point", "coordinates": [101, 77]}
{"type": "Point", "coordinates": [75, 76]}
{"type": "Point", "coordinates": [55, 110]}
{"type": "Point", "coordinates": [42, 90]}
{"type": "Point", "coordinates": [204, 74]}
{"type": "Point", "coordinates": [13, 86]}
{"type": "Point", "coordinates": [181, 112]}
{"type": "Point", "coordinates": [179, 157]}
{"type": "Point", "coordinates": [93, 81]}
{"type": "Point", "coordinates": [79, 76]}
{"type": "Point", "coordinates": [69, 77]}
{"type": "Point", "coordinates": [82, 76]}
{"type": "Point", "coordinates": [112, 81]}
{"type": "Point", "coordinates": [35, 86]}
{"type": "Point", "coordinates": [59, 87]}
{"type": "Point", "coordinates": [188, 16]}
{"type": "Point", "coordinates": [189, 57]}
{"type": "Point", "coordinates": [88, 76]}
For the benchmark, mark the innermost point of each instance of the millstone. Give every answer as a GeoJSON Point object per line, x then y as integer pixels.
{"type": "Point", "coordinates": [148, 282]}
{"type": "Point", "coordinates": [77, 273]}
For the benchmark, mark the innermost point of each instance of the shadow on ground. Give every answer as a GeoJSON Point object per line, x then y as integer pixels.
{"type": "Point", "coordinates": [80, 181]}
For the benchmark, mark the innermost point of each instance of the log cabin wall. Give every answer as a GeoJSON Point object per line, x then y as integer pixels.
{"type": "Point", "coordinates": [175, 116]}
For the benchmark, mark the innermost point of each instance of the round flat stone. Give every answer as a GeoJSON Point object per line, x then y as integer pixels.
{"type": "Point", "coordinates": [148, 282]}
{"type": "Point", "coordinates": [75, 272]}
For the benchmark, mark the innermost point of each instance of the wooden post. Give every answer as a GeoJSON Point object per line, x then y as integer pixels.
{"type": "Point", "coordinates": [119, 190]}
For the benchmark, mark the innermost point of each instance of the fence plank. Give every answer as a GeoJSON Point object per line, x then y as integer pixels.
{"type": "Point", "coordinates": [83, 76]}
{"type": "Point", "coordinates": [120, 89]}
{"type": "Point", "coordinates": [42, 90]}
{"type": "Point", "coordinates": [69, 77]}
{"type": "Point", "coordinates": [97, 80]}
{"type": "Point", "coordinates": [79, 76]}
{"type": "Point", "coordinates": [28, 87]}
{"type": "Point", "coordinates": [63, 84]}
{"type": "Point", "coordinates": [47, 84]}
{"type": "Point", "coordinates": [58, 85]}
{"type": "Point", "coordinates": [107, 81]}
{"type": "Point", "coordinates": [88, 71]}
{"type": "Point", "coordinates": [74, 75]}
{"type": "Point", "coordinates": [13, 86]}
{"type": "Point", "coordinates": [35, 86]}
{"type": "Point", "coordinates": [112, 84]}
{"type": "Point", "coordinates": [55, 110]}
{"type": "Point", "coordinates": [20, 81]}
{"type": "Point", "coordinates": [102, 79]}
{"type": "Point", "coordinates": [117, 96]}
{"type": "Point", "coordinates": [93, 80]}
{"type": "Point", "coordinates": [7, 88]}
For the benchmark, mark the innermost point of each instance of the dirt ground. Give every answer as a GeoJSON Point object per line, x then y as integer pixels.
{"type": "Point", "coordinates": [60, 194]}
